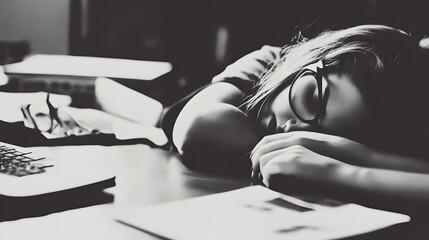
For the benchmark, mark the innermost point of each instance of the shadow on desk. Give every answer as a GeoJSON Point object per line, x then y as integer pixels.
{"type": "Point", "coordinates": [415, 230]}
{"type": "Point", "coordinates": [14, 208]}
{"type": "Point", "coordinates": [17, 134]}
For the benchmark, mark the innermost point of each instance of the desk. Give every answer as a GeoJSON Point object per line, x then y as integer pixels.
{"type": "Point", "coordinates": [145, 176]}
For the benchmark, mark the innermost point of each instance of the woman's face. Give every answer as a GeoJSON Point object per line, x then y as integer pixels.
{"type": "Point", "coordinates": [343, 109]}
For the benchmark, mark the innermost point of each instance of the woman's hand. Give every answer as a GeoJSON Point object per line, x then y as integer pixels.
{"type": "Point", "coordinates": [339, 148]}
{"type": "Point", "coordinates": [297, 169]}
{"type": "Point", "coordinates": [335, 147]}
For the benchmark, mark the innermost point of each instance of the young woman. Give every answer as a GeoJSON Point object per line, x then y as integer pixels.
{"type": "Point", "coordinates": [340, 115]}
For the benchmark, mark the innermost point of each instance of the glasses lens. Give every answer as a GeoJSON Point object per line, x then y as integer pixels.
{"type": "Point", "coordinates": [305, 97]}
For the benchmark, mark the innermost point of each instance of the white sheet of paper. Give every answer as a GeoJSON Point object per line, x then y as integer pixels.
{"type": "Point", "coordinates": [248, 214]}
{"type": "Point", "coordinates": [121, 127]}
{"type": "Point", "coordinates": [10, 103]}
{"type": "Point", "coordinates": [4, 79]}
{"type": "Point", "coordinates": [120, 100]}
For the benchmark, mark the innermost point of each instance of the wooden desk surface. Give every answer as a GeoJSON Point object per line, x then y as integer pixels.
{"type": "Point", "coordinates": [144, 176]}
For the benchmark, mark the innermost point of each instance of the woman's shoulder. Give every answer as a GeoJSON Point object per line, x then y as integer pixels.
{"type": "Point", "coordinates": [242, 74]}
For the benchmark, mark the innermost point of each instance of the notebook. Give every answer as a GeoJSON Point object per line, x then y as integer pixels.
{"type": "Point", "coordinates": [28, 173]}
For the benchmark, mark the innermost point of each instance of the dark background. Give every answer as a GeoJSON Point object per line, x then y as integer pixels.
{"type": "Point", "coordinates": [188, 33]}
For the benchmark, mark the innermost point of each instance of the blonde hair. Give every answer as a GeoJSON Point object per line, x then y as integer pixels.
{"type": "Point", "coordinates": [359, 50]}
{"type": "Point", "coordinates": [387, 66]}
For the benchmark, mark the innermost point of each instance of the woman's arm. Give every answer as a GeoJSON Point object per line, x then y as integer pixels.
{"type": "Point", "coordinates": [213, 134]}
{"type": "Point", "coordinates": [299, 170]}
{"type": "Point", "coordinates": [342, 149]}
{"type": "Point", "coordinates": [388, 189]}
{"type": "Point", "coordinates": [229, 87]}
{"type": "Point", "coordinates": [200, 106]}
{"type": "Point", "coordinates": [390, 161]}
{"type": "Point", "coordinates": [211, 128]}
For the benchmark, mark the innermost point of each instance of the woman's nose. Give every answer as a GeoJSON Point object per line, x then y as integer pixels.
{"type": "Point", "coordinates": [294, 125]}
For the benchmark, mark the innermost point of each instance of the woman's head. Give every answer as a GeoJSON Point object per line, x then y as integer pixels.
{"type": "Point", "coordinates": [343, 81]}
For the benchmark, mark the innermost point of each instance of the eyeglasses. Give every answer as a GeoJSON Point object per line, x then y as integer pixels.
{"type": "Point", "coordinates": [307, 95]}
{"type": "Point", "coordinates": [54, 121]}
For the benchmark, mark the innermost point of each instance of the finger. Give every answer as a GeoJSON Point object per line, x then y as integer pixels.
{"type": "Point", "coordinates": [264, 159]}
{"type": "Point", "coordinates": [260, 162]}
{"type": "Point", "coordinates": [255, 158]}
{"type": "Point", "coordinates": [268, 139]}
{"type": "Point", "coordinates": [272, 168]}
{"type": "Point", "coordinates": [286, 155]}
{"type": "Point", "coordinates": [288, 135]}
{"type": "Point", "coordinates": [282, 163]}
{"type": "Point", "coordinates": [270, 147]}
{"type": "Point", "coordinates": [255, 170]}
{"type": "Point", "coordinates": [312, 140]}
{"type": "Point", "coordinates": [315, 141]}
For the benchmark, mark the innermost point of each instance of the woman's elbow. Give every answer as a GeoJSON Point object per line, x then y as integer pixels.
{"type": "Point", "coordinates": [221, 131]}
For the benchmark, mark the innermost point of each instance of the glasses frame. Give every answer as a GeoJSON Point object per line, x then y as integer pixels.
{"type": "Point", "coordinates": [318, 74]}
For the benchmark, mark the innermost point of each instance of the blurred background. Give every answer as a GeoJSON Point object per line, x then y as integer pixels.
{"type": "Point", "coordinates": [198, 37]}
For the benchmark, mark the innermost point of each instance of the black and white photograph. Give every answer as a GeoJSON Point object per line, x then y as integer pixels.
{"type": "Point", "coordinates": [214, 120]}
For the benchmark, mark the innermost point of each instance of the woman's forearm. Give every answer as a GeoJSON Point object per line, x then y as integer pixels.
{"type": "Point", "coordinates": [383, 160]}
{"type": "Point", "coordinates": [389, 189]}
